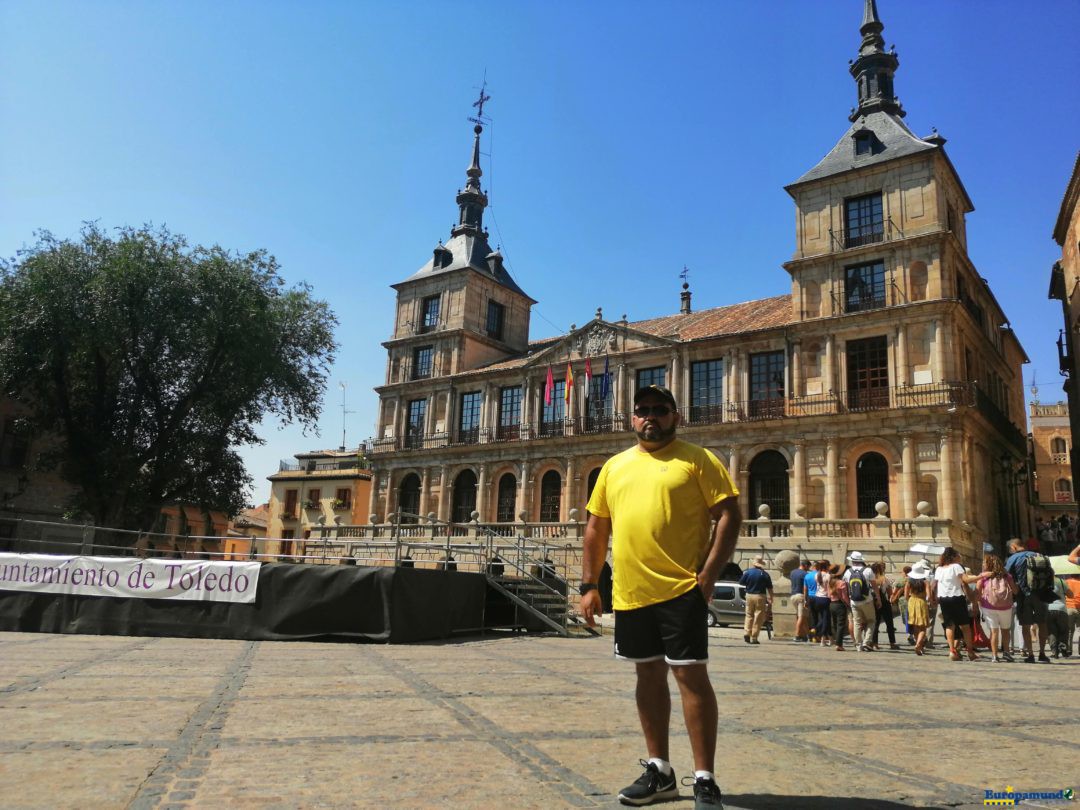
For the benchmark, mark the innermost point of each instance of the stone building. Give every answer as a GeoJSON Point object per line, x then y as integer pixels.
{"type": "Point", "coordinates": [323, 487]}
{"type": "Point", "coordinates": [1051, 446]}
{"type": "Point", "coordinates": [1064, 281]}
{"type": "Point", "coordinates": [889, 373]}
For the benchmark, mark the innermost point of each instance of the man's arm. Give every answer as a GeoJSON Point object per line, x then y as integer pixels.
{"type": "Point", "coordinates": [725, 535]}
{"type": "Point", "coordinates": [597, 531]}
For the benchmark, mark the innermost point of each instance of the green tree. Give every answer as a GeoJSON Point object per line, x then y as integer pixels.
{"type": "Point", "coordinates": [150, 361]}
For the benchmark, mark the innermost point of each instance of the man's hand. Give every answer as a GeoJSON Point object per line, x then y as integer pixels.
{"type": "Point", "coordinates": [591, 607]}
{"type": "Point", "coordinates": [705, 582]}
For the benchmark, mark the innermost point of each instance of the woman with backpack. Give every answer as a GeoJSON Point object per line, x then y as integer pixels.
{"type": "Point", "coordinates": [952, 596]}
{"type": "Point", "coordinates": [839, 605]}
{"type": "Point", "coordinates": [996, 592]}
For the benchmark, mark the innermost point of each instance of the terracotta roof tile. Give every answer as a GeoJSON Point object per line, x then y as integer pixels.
{"type": "Point", "coordinates": [749, 316]}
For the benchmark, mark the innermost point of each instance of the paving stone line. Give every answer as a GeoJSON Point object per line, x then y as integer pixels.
{"type": "Point", "coordinates": [574, 788]}
{"type": "Point", "coordinates": [187, 758]}
{"type": "Point", "coordinates": [30, 683]}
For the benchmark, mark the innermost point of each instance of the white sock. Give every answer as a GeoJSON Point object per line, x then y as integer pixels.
{"type": "Point", "coordinates": [704, 775]}
{"type": "Point", "coordinates": [662, 764]}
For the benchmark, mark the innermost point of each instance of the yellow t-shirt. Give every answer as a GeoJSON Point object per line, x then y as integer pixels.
{"type": "Point", "coordinates": [659, 505]}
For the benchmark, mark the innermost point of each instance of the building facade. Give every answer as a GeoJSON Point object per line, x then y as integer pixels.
{"type": "Point", "coordinates": [1064, 283]}
{"type": "Point", "coordinates": [323, 487]}
{"type": "Point", "coordinates": [888, 374]}
{"type": "Point", "coordinates": [1051, 451]}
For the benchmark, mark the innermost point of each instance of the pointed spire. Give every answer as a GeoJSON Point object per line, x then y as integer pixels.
{"type": "Point", "coordinates": [471, 200]}
{"type": "Point", "coordinates": [874, 68]}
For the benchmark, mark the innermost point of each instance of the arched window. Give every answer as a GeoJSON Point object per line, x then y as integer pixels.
{"type": "Point", "coordinates": [769, 484]}
{"type": "Point", "coordinates": [550, 497]}
{"type": "Point", "coordinates": [871, 483]}
{"type": "Point", "coordinates": [409, 498]}
{"type": "Point", "coordinates": [1057, 445]}
{"type": "Point", "coordinates": [504, 508]}
{"type": "Point", "coordinates": [464, 497]}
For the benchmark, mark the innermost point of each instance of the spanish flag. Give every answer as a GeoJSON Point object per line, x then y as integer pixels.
{"type": "Point", "coordinates": [588, 377]}
{"type": "Point", "coordinates": [569, 384]}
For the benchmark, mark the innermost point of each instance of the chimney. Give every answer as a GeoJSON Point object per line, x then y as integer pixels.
{"type": "Point", "coordinates": [684, 307]}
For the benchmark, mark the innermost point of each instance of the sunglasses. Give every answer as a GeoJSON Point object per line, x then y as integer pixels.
{"type": "Point", "coordinates": [641, 411]}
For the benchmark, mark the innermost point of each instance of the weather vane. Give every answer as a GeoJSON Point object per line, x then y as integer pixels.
{"type": "Point", "coordinates": [685, 273]}
{"type": "Point", "coordinates": [479, 103]}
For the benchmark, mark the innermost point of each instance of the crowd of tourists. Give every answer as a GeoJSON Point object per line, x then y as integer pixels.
{"type": "Point", "coordinates": [1015, 606]}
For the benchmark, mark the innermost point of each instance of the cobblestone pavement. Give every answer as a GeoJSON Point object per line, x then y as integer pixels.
{"type": "Point", "coordinates": [512, 721]}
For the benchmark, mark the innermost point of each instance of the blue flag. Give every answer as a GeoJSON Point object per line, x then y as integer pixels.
{"type": "Point", "coordinates": [604, 382]}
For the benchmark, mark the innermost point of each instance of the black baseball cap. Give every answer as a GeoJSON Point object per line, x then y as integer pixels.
{"type": "Point", "coordinates": [656, 391]}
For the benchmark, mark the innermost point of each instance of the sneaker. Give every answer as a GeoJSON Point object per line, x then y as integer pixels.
{"type": "Point", "coordinates": [754, 641]}
{"type": "Point", "coordinates": [1008, 657]}
{"type": "Point", "coordinates": [1029, 659]}
{"type": "Point", "coordinates": [650, 787]}
{"type": "Point", "coordinates": [746, 639]}
{"type": "Point", "coordinates": [707, 795]}
{"type": "Point", "coordinates": [995, 660]}
{"type": "Point", "coordinates": [1043, 659]}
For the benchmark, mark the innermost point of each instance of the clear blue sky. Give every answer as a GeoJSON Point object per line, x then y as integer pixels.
{"type": "Point", "coordinates": [627, 140]}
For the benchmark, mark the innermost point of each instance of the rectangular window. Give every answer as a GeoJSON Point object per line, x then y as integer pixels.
{"type": "Point", "coordinates": [864, 223]}
{"type": "Point", "coordinates": [291, 497]}
{"type": "Point", "coordinates": [423, 360]}
{"type": "Point", "coordinates": [510, 412]}
{"type": "Point", "coordinates": [864, 287]}
{"type": "Point", "coordinates": [14, 444]}
{"type": "Point", "coordinates": [868, 374]}
{"type": "Point", "coordinates": [429, 317]}
{"type": "Point", "coordinates": [652, 376]}
{"type": "Point", "coordinates": [496, 316]}
{"type": "Point", "coordinates": [767, 385]}
{"type": "Point", "coordinates": [414, 431]}
{"type": "Point", "coordinates": [313, 498]}
{"type": "Point", "coordinates": [706, 391]}
{"type": "Point", "coordinates": [469, 418]}
{"type": "Point", "coordinates": [343, 499]}
{"type": "Point", "coordinates": [551, 420]}
{"type": "Point", "coordinates": [598, 408]}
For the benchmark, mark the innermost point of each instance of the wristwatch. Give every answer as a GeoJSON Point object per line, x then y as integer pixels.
{"type": "Point", "coordinates": [586, 587]}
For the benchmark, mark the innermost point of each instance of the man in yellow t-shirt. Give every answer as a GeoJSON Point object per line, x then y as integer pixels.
{"type": "Point", "coordinates": [658, 500]}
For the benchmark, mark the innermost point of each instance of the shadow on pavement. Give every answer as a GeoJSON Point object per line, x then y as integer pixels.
{"type": "Point", "coordinates": [752, 801]}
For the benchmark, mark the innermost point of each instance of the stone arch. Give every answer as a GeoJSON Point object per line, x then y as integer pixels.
{"type": "Point", "coordinates": [769, 483]}
{"type": "Point", "coordinates": [850, 460]}
{"type": "Point", "coordinates": [463, 502]}
{"type": "Point", "coordinates": [408, 496]}
{"type": "Point", "coordinates": [506, 497]}
{"type": "Point", "coordinates": [550, 505]}
{"type": "Point", "coordinates": [918, 281]}
{"type": "Point", "coordinates": [872, 477]}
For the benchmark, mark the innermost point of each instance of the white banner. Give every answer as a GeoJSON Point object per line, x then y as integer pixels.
{"type": "Point", "coordinates": [206, 580]}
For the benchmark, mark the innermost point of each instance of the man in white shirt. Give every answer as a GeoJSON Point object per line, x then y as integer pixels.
{"type": "Point", "coordinates": [864, 600]}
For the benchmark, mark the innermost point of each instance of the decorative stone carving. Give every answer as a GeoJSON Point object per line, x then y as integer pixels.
{"type": "Point", "coordinates": [928, 451]}
{"type": "Point", "coordinates": [786, 561]}
{"type": "Point", "coordinates": [595, 341]}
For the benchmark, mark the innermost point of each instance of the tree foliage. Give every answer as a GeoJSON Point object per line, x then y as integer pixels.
{"type": "Point", "coordinates": [151, 361]}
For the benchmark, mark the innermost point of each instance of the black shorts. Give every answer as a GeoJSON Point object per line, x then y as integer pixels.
{"type": "Point", "coordinates": [675, 630]}
{"type": "Point", "coordinates": [954, 611]}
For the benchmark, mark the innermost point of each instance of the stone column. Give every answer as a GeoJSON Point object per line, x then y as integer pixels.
{"type": "Point", "coordinates": [675, 382]}
{"type": "Point", "coordinates": [903, 375]}
{"type": "Point", "coordinates": [908, 475]}
{"type": "Point", "coordinates": [524, 503]}
{"type": "Point", "coordinates": [950, 507]}
{"type": "Point", "coordinates": [798, 480]}
{"type": "Point", "coordinates": [429, 416]}
{"type": "Point", "coordinates": [830, 364]}
{"type": "Point", "coordinates": [482, 484]}
{"type": "Point", "coordinates": [444, 494]}
{"type": "Point", "coordinates": [568, 501]}
{"type": "Point", "coordinates": [832, 478]}
{"type": "Point", "coordinates": [796, 370]}
{"type": "Point", "coordinates": [425, 490]}
{"type": "Point", "coordinates": [391, 496]}
{"type": "Point", "coordinates": [448, 417]}
{"type": "Point", "coordinates": [485, 408]}
{"type": "Point", "coordinates": [373, 498]}
{"type": "Point", "coordinates": [623, 403]}
{"type": "Point", "coordinates": [939, 350]}
{"type": "Point", "coordinates": [526, 402]}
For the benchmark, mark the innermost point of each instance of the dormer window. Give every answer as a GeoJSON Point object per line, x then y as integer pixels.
{"type": "Point", "coordinates": [864, 143]}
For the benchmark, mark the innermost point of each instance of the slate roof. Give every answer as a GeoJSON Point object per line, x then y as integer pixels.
{"type": "Point", "coordinates": [749, 316]}
{"type": "Point", "coordinates": [895, 140]}
{"type": "Point", "coordinates": [467, 250]}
